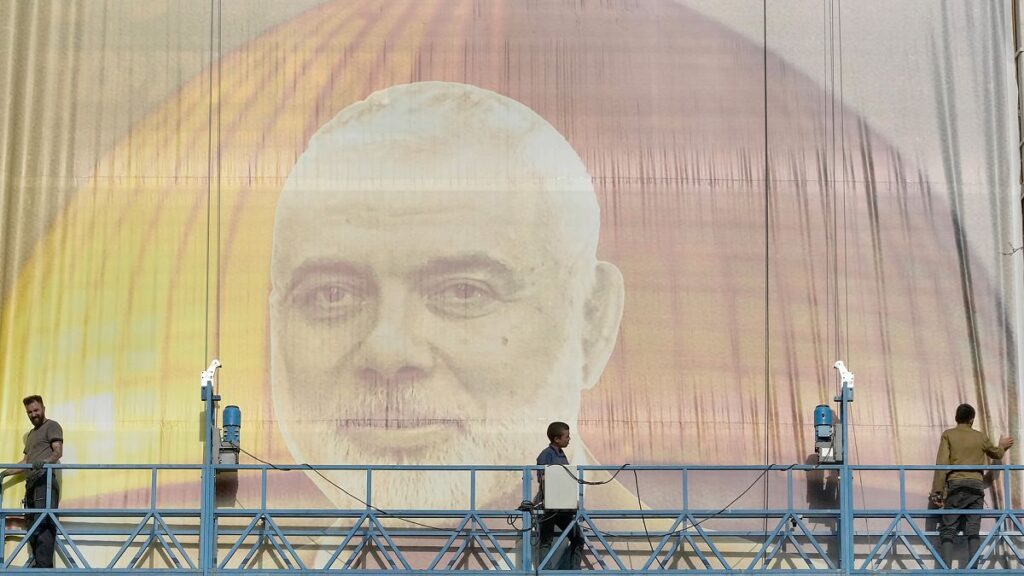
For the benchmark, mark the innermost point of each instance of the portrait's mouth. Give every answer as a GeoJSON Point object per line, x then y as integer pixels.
{"type": "Point", "coordinates": [399, 434]}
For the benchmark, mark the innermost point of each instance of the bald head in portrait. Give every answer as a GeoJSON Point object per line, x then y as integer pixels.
{"type": "Point", "coordinates": [436, 293]}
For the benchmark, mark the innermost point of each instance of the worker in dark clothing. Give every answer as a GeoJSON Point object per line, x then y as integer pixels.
{"type": "Point", "coordinates": [44, 444]}
{"type": "Point", "coordinates": [558, 435]}
{"type": "Point", "coordinates": [963, 489]}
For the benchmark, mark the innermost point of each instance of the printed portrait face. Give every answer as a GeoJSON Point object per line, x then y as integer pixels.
{"type": "Point", "coordinates": [436, 298]}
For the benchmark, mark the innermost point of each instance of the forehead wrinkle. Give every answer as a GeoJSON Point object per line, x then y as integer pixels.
{"type": "Point", "coordinates": [418, 141]}
{"type": "Point", "coordinates": [327, 222]}
{"type": "Point", "coordinates": [540, 228]}
{"type": "Point", "coordinates": [379, 199]}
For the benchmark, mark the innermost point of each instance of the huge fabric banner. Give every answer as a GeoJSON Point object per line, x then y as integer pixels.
{"type": "Point", "coordinates": [415, 232]}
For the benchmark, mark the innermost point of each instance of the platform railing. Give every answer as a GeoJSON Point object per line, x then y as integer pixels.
{"type": "Point", "coordinates": [779, 519]}
{"type": "Point", "coordinates": [124, 534]}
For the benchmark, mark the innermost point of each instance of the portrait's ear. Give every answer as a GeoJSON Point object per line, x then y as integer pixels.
{"type": "Point", "coordinates": [602, 316]}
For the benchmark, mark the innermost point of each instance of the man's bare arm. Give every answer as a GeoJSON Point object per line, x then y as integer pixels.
{"type": "Point", "coordinates": [15, 471]}
{"type": "Point", "coordinates": [58, 450]}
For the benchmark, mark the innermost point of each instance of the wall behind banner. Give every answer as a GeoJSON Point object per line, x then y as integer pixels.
{"type": "Point", "coordinates": [146, 147]}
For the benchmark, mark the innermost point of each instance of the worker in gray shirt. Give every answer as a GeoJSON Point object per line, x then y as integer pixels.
{"type": "Point", "coordinates": [44, 444]}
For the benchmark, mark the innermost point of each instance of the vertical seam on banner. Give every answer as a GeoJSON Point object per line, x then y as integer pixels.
{"type": "Point", "coordinates": [209, 192]}
{"type": "Point", "coordinates": [213, 169]}
{"type": "Point", "coordinates": [838, 175]}
{"type": "Point", "coordinates": [767, 262]}
{"type": "Point", "coordinates": [846, 253]}
{"type": "Point", "coordinates": [846, 270]}
{"type": "Point", "coordinates": [220, 102]}
{"type": "Point", "coordinates": [832, 242]}
{"type": "Point", "coordinates": [205, 553]}
{"type": "Point", "coordinates": [828, 178]}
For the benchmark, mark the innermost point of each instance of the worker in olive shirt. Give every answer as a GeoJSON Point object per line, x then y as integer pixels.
{"type": "Point", "coordinates": [963, 489]}
{"type": "Point", "coordinates": [558, 435]}
{"type": "Point", "coordinates": [44, 444]}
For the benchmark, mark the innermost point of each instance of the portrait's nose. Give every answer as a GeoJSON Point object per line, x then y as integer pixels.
{"type": "Point", "coordinates": [395, 350]}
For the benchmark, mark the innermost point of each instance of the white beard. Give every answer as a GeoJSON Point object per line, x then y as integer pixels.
{"type": "Point", "coordinates": [489, 444]}
{"type": "Point", "coordinates": [508, 440]}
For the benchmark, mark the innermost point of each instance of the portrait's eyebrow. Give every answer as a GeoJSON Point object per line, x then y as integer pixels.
{"type": "Point", "coordinates": [474, 263]}
{"type": "Point", "coordinates": [327, 267]}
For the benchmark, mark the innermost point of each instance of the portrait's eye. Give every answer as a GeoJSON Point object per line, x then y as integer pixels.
{"type": "Point", "coordinates": [330, 300]}
{"type": "Point", "coordinates": [462, 298]}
